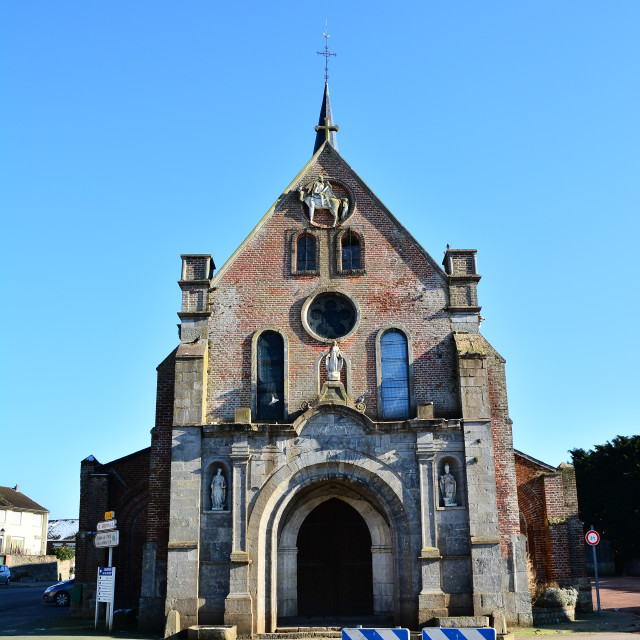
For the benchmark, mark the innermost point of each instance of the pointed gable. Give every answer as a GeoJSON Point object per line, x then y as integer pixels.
{"type": "Point", "coordinates": [397, 284]}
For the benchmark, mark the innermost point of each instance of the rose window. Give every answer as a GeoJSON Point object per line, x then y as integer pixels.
{"type": "Point", "coordinates": [331, 316]}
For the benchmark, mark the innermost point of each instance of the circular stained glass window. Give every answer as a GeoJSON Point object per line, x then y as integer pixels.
{"type": "Point", "coordinates": [331, 316]}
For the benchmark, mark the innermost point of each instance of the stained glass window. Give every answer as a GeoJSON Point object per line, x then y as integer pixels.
{"type": "Point", "coordinates": [395, 375]}
{"type": "Point", "coordinates": [270, 383]}
{"type": "Point", "coordinates": [331, 316]}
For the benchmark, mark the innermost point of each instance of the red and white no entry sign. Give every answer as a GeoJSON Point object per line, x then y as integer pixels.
{"type": "Point", "coordinates": [592, 537]}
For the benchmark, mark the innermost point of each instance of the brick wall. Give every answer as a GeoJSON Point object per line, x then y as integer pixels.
{"type": "Point", "coordinates": [502, 451]}
{"type": "Point", "coordinates": [463, 264]}
{"type": "Point", "coordinates": [160, 462]}
{"type": "Point", "coordinates": [401, 286]}
{"type": "Point", "coordinates": [120, 486]}
{"type": "Point", "coordinates": [549, 504]}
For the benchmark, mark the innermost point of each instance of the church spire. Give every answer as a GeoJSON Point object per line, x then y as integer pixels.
{"type": "Point", "coordinates": [326, 130]}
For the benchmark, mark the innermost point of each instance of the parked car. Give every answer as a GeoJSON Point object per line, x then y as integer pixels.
{"type": "Point", "coordinates": [5, 574]}
{"type": "Point", "coordinates": [59, 593]}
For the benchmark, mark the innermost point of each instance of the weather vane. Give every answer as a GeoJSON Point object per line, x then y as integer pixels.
{"type": "Point", "coordinates": [326, 53]}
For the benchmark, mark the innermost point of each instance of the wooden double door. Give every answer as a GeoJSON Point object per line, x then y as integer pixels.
{"type": "Point", "coordinates": [334, 563]}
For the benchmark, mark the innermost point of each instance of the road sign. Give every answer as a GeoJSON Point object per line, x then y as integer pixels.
{"type": "Point", "coordinates": [592, 538]}
{"type": "Point", "coordinates": [106, 583]}
{"type": "Point", "coordinates": [107, 525]}
{"type": "Point", "coordinates": [375, 634]}
{"type": "Point", "coordinates": [440, 633]}
{"type": "Point", "coordinates": [109, 515]}
{"type": "Point", "coordinates": [107, 539]}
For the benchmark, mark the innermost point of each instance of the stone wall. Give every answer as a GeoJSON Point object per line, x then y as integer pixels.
{"type": "Point", "coordinates": [31, 568]}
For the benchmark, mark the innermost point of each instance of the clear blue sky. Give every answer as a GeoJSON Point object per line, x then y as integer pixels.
{"type": "Point", "coordinates": [128, 130]}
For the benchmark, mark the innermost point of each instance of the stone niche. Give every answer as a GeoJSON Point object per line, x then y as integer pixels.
{"type": "Point", "coordinates": [217, 488]}
{"type": "Point", "coordinates": [449, 483]}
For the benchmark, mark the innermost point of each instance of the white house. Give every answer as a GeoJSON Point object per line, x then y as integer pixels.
{"type": "Point", "coordinates": [23, 524]}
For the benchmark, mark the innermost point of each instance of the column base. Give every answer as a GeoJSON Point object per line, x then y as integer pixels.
{"type": "Point", "coordinates": [238, 611]}
{"type": "Point", "coordinates": [431, 604]}
{"type": "Point", "coordinates": [187, 610]}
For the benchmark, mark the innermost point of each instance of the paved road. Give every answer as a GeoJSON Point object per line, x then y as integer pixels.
{"type": "Point", "coordinates": [19, 603]}
{"type": "Point", "coordinates": [620, 593]}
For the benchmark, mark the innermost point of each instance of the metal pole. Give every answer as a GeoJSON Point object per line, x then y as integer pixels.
{"type": "Point", "coordinates": [95, 626]}
{"type": "Point", "coordinates": [110, 604]}
{"type": "Point", "coordinates": [595, 568]}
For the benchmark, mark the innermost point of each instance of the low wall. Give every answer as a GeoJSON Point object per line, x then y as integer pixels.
{"type": "Point", "coordinates": [553, 615]}
{"type": "Point", "coordinates": [32, 568]}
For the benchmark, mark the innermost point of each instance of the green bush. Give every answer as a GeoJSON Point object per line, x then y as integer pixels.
{"type": "Point", "coordinates": [64, 553]}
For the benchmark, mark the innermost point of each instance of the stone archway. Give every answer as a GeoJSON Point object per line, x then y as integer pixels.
{"type": "Point", "coordinates": [379, 550]}
{"type": "Point", "coordinates": [374, 489]}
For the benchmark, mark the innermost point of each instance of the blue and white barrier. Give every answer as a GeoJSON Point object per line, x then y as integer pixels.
{"type": "Point", "coordinates": [438, 633]}
{"type": "Point", "coordinates": [375, 634]}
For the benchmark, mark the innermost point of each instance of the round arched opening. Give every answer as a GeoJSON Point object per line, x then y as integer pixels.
{"type": "Point", "coordinates": [334, 563]}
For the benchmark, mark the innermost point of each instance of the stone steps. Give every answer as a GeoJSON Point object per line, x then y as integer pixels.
{"type": "Point", "coordinates": [291, 633]}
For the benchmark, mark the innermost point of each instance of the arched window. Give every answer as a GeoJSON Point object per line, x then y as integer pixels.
{"type": "Point", "coordinates": [306, 253]}
{"type": "Point", "coordinates": [270, 379]}
{"type": "Point", "coordinates": [394, 375]}
{"type": "Point", "coordinates": [350, 252]}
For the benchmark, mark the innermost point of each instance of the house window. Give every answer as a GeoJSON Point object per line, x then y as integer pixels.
{"type": "Point", "coordinates": [306, 253]}
{"type": "Point", "coordinates": [350, 252]}
{"type": "Point", "coordinates": [394, 375]}
{"type": "Point", "coordinates": [15, 517]}
{"type": "Point", "coordinates": [270, 378]}
{"type": "Point", "coordinates": [37, 520]}
{"type": "Point", "coordinates": [17, 545]}
{"type": "Point", "coordinates": [3, 516]}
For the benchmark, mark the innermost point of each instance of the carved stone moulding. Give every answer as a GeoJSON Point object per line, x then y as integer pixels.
{"type": "Point", "coordinates": [326, 202]}
{"type": "Point", "coordinates": [329, 315]}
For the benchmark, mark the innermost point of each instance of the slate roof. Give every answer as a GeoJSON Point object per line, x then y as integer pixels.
{"type": "Point", "coordinates": [63, 529]}
{"type": "Point", "coordinates": [12, 499]}
{"type": "Point", "coordinates": [535, 460]}
{"type": "Point", "coordinates": [325, 112]}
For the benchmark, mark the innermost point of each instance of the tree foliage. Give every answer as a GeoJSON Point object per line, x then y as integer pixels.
{"type": "Point", "coordinates": [608, 483]}
{"type": "Point", "coordinates": [63, 553]}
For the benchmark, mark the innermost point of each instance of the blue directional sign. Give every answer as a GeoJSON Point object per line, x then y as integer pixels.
{"type": "Point", "coordinates": [438, 633]}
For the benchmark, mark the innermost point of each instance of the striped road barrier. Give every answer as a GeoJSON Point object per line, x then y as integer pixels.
{"type": "Point", "coordinates": [438, 633]}
{"type": "Point", "coordinates": [375, 634]}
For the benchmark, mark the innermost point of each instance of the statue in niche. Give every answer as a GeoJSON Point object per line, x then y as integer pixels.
{"type": "Point", "coordinates": [218, 491]}
{"type": "Point", "coordinates": [320, 195]}
{"type": "Point", "coordinates": [334, 362]}
{"type": "Point", "coordinates": [448, 487]}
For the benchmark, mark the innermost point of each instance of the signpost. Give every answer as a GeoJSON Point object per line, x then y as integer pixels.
{"type": "Point", "coordinates": [107, 539]}
{"type": "Point", "coordinates": [593, 538]}
{"type": "Point", "coordinates": [107, 525]}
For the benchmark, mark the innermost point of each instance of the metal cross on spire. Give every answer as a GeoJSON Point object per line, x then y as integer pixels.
{"type": "Point", "coordinates": [326, 53]}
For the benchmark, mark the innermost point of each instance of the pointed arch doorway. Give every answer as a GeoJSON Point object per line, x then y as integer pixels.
{"type": "Point", "coordinates": [334, 567]}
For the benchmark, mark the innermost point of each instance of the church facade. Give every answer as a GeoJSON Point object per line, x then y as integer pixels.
{"type": "Point", "coordinates": [332, 435]}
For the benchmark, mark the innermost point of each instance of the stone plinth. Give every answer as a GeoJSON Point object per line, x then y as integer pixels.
{"type": "Point", "coordinates": [211, 632]}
